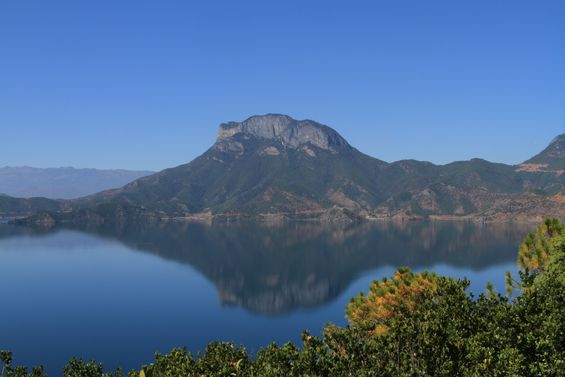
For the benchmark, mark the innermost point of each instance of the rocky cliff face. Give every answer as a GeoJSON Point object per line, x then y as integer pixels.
{"type": "Point", "coordinates": [289, 132]}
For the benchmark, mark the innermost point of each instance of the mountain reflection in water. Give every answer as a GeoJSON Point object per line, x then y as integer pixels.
{"type": "Point", "coordinates": [276, 268]}
{"type": "Point", "coordinates": [118, 293]}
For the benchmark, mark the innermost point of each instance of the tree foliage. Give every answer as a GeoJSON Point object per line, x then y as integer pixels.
{"type": "Point", "coordinates": [534, 252]}
{"type": "Point", "coordinates": [389, 298]}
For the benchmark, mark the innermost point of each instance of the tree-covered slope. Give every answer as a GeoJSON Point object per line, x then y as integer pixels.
{"type": "Point", "coordinates": [10, 206]}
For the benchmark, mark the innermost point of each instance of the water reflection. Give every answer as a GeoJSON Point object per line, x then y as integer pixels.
{"type": "Point", "coordinates": [276, 268]}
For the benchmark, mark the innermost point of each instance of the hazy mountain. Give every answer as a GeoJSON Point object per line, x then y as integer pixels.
{"type": "Point", "coordinates": [62, 183]}
{"type": "Point", "coordinates": [276, 167]}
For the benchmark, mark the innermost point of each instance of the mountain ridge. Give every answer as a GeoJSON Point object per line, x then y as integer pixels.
{"type": "Point", "coordinates": [552, 158]}
{"type": "Point", "coordinates": [275, 167]}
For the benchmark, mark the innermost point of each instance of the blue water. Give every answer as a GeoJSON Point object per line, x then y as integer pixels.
{"type": "Point", "coordinates": [119, 293]}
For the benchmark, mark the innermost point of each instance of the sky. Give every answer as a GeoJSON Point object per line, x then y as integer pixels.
{"type": "Point", "coordinates": [145, 84]}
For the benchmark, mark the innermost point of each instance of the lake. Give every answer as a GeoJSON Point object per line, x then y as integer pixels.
{"type": "Point", "coordinates": [118, 293]}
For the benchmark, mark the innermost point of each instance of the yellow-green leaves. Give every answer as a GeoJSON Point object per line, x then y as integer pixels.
{"type": "Point", "coordinates": [389, 298]}
{"type": "Point", "coordinates": [536, 248]}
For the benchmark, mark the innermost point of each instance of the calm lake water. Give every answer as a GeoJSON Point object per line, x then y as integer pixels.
{"type": "Point", "coordinates": [118, 294]}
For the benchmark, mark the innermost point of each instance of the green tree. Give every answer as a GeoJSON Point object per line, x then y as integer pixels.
{"type": "Point", "coordinates": [19, 371]}
{"type": "Point", "coordinates": [536, 248]}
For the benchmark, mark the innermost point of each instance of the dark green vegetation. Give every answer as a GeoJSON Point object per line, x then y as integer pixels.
{"type": "Point", "coordinates": [16, 206]}
{"type": "Point", "coordinates": [413, 325]}
{"type": "Point", "coordinates": [275, 166]}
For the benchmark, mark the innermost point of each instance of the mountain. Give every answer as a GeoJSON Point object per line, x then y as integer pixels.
{"type": "Point", "coordinates": [266, 164]}
{"type": "Point", "coordinates": [275, 167]}
{"type": "Point", "coordinates": [551, 158]}
{"type": "Point", "coordinates": [62, 183]}
{"type": "Point", "coordinates": [10, 206]}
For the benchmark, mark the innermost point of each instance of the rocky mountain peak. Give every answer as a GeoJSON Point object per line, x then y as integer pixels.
{"type": "Point", "coordinates": [290, 132]}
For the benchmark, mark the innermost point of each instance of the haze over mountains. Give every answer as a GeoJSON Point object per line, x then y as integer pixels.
{"type": "Point", "coordinates": [276, 167]}
{"type": "Point", "coordinates": [62, 183]}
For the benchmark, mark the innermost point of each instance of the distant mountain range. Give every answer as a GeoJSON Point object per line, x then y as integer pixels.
{"type": "Point", "coordinates": [62, 183]}
{"type": "Point", "coordinates": [275, 167]}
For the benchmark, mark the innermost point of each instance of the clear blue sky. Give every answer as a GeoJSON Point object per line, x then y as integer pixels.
{"type": "Point", "coordinates": [144, 84]}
